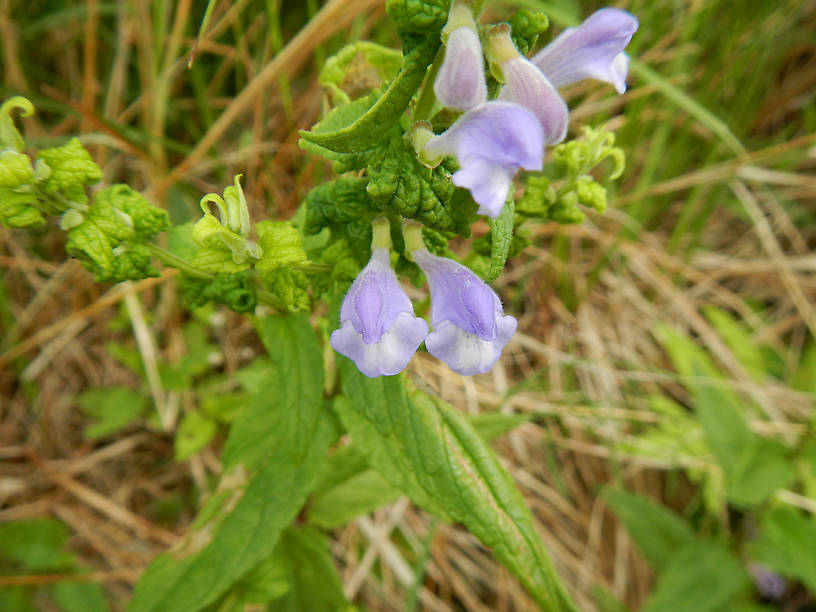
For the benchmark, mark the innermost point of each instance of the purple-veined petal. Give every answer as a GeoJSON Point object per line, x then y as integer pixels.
{"type": "Point", "coordinates": [526, 85]}
{"type": "Point", "coordinates": [470, 327]}
{"type": "Point", "coordinates": [460, 82]}
{"type": "Point", "coordinates": [490, 143]}
{"type": "Point", "coordinates": [378, 330]}
{"type": "Point", "coordinates": [590, 51]}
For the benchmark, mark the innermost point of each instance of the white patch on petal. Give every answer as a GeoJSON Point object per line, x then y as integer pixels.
{"type": "Point", "coordinates": [391, 354]}
{"type": "Point", "coordinates": [488, 184]}
{"type": "Point", "coordinates": [465, 352]}
{"type": "Point", "coordinates": [460, 83]}
{"type": "Point", "coordinates": [618, 71]}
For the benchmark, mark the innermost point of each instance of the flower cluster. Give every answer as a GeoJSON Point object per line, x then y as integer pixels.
{"type": "Point", "coordinates": [493, 139]}
{"type": "Point", "coordinates": [380, 332]}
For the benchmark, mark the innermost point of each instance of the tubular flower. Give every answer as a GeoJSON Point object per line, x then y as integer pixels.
{"type": "Point", "coordinates": [593, 50]}
{"type": "Point", "coordinates": [470, 327]}
{"type": "Point", "coordinates": [491, 140]}
{"type": "Point", "coordinates": [378, 329]}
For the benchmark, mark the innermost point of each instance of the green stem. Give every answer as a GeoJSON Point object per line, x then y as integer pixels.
{"type": "Point", "coordinates": [177, 262]}
{"type": "Point", "coordinates": [427, 97]}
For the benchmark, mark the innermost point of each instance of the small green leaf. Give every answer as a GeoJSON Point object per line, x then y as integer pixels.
{"type": "Point", "coordinates": [700, 577]}
{"type": "Point", "coordinates": [358, 68]}
{"type": "Point", "coordinates": [218, 260]}
{"type": "Point", "coordinates": [525, 27]}
{"type": "Point", "coordinates": [281, 245]}
{"type": "Point", "coordinates": [15, 169]}
{"type": "Point", "coordinates": [224, 408]}
{"type": "Point", "coordinates": [194, 433]}
{"type": "Point", "coordinates": [236, 291]}
{"type": "Point", "coordinates": [72, 169]}
{"type": "Point", "coordinates": [419, 16]}
{"type": "Point", "coordinates": [360, 494]}
{"type": "Point", "coordinates": [114, 408]}
{"type": "Point", "coordinates": [35, 545]}
{"type": "Point", "coordinates": [16, 208]}
{"type": "Point", "coordinates": [146, 219]}
{"type": "Point", "coordinates": [501, 232]}
{"type": "Point", "coordinates": [80, 597]}
{"type": "Point", "coordinates": [290, 287]}
{"type": "Point", "coordinates": [657, 531]}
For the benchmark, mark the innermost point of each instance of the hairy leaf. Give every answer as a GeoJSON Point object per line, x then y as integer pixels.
{"type": "Point", "coordinates": [271, 459]}
{"type": "Point", "coordinates": [72, 169]}
{"type": "Point", "coordinates": [501, 232]}
{"type": "Point", "coordinates": [437, 458]}
{"type": "Point", "coordinates": [419, 16]}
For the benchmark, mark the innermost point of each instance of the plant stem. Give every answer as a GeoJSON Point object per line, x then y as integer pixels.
{"type": "Point", "coordinates": [427, 97]}
{"type": "Point", "coordinates": [177, 262]}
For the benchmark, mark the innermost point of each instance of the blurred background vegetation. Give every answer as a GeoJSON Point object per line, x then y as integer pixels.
{"type": "Point", "coordinates": [665, 366]}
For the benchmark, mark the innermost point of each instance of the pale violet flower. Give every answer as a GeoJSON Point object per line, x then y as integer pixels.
{"type": "Point", "coordinates": [378, 329]}
{"type": "Point", "coordinates": [593, 50]}
{"type": "Point", "coordinates": [470, 328]}
{"type": "Point", "coordinates": [491, 142]}
{"type": "Point", "coordinates": [460, 82]}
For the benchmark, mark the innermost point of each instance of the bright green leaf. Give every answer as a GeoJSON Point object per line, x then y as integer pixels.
{"type": "Point", "coordinates": [35, 545]}
{"type": "Point", "coordinates": [72, 169]}
{"type": "Point", "coordinates": [194, 433]}
{"type": "Point", "coordinates": [501, 231]}
{"type": "Point", "coordinates": [114, 408]}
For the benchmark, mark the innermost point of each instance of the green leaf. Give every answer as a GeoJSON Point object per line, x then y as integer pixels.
{"type": "Point", "coordinates": [657, 531]}
{"type": "Point", "coordinates": [786, 543]}
{"type": "Point", "coordinates": [147, 220]}
{"type": "Point", "coordinates": [281, 245]}
{"type": "Point", "coordinates": [431, 452]}
{"type": "Point", "coordinates": [224, 408]}
{"type": "Point", "coordinates": [271, 460]}
{"type": "Point", "coordinates": [419, 16]}
{"type": "Point", "coordinates": [194, 433]}
{"type": "Point", "coordinates": [365, 133]}
{"type": "Point", "coordinates": [114, 408]}
{"type": "Point", "coordinates": [80, 597]}
{"type": "Point", "coordinates": [501, 231]}
{"type": "Point", "coordinates": [311, 574]}
{"type": "Point", "coordinates": [132, 262]}
{"type": "Point", "coordinates": [16, 209]}
{"type": "Point", "coordinates": [72, 169]}
{"type": "Point", "coordinates": [90, 244]}
{"type": "Point", "coordinates": [700, 577]}
{"type": "Point", "coordinates": [265, 583]}
{"type": "Point", "coordinates": [35, 545]}
{"type": "Point", "coordinates": [492, 425]}
{"type": "Point", "coordinates": [358, 66]}
{"type": "Point", "coordinates": [15, 169]}
{"type": "Point", "coordinates": [525, 27]}
{"type": "Point", "coordinates": [762, 469]}
{"type": "Point", "coordinates": [236, 291]}
{"type": "Point", "coordinates": [739, 340]}
{"type": "Point", "coordinates": [290, 287]}
{"type": "Point", "coordinates": [360, 494]}
{"type": "Point", "coordinates": [219, 260]}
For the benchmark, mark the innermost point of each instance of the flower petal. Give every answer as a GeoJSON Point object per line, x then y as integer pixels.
{"type": "Point", "coordinates": [526, 85]}
{"type": "Point", "coordinates": [466, 352]}
{"type": "Point", "coordinates": [375, 298]}
{"type": "Point", "coordinates": [460, 82]}
{"type": "Point", "coordinates": [488, 184]}
{"type": "Point", "coordinates": [390, 354]}
{"type": "Point", "coordinates": [591, 50]}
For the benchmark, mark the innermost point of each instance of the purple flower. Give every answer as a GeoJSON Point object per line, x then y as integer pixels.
{"type": "Point", "coordinates": [378, 329]}
{"type": "Point", "coordinates": [470, 327]}
{"type": "Point", "coordinates": [460, 83]}
{"type": "Point", "coordinates": [593, 50]}
{"type": "Point", "coordinates": [527, 86]}
{"type": "Point", "coordinates": [491, 142]}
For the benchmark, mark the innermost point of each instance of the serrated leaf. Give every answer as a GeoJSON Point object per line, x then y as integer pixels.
{"type": "Point", "coordinates": [271, 460]}
{"type": "Point", "coordinates": [236, 291]}
{"type": "Point", "coordinates": [435, 456]}
{"type": "Point", "coordinates": [15, 169]}
{"type": "Point", "coordinates": [280, 243]}
{"type": "Point", "coordinates": [72, 169]}
{"type": "Point", "coordinates": [367, 131]}
{"type": "Point", "coordinates": [501, 232]}
{"type": "Point", "coordinates": [90, 244]}
{"type": "Point", "coordinates": [217, 260]}
{"type": "Point", "coordinates": [657, 531]}
{"type": "Point", "coordinates": [114, 408]}
{"type": "Point", "coordinates": [146, 219]}
{"type": "Point", "coordinates": [16, 208]}
{"type": "Point", "coordinates": [290, 287]}
{"type": "Point", "coordinates": [418, 16]}
{"type": "Point", "coordinates": [311, 574]}
{"type": "Point", "coordinates": [525, 27]}
{"type": "Point", "coordinates": [786, 543]}
{"type": "Point", "coordinates": [700, 577]}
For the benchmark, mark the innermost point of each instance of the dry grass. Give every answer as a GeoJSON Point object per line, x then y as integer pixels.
{"type": "Point", "coordinates": [585, 371]}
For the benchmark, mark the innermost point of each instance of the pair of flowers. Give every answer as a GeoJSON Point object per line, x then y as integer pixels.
{"type": "Point", "coordinates": [493, 139]}
{"type": "Point", "coordinates": [380, 332]}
